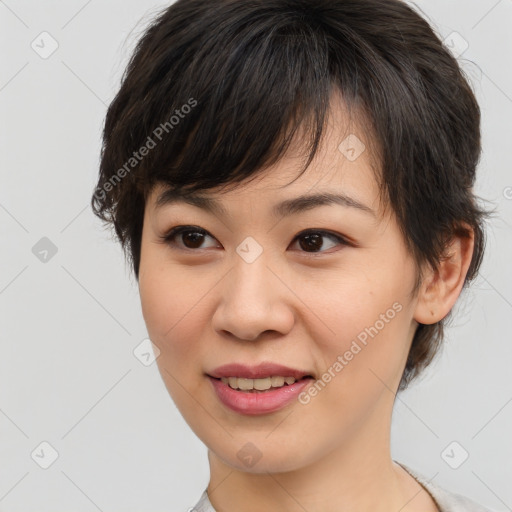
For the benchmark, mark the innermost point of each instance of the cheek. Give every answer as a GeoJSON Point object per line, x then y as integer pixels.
{"type": "Point", "coordinates": [159, 305]}
{"type": "Point", "coordinates": [367, 319]}
{"type": "Point", "coordinates": [362, 366]}
{"type": "Point", "coordinates": [170, 311]}
{"type": "Point", "coordinates": [174, 302]}
{"type": "Point", "coordinates": [167, 307]}
{"type": "Point", "coordinates": [164, 291]}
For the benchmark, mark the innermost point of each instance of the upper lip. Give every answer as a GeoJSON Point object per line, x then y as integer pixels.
{"type": "Point", "coordinates": [262, 370]}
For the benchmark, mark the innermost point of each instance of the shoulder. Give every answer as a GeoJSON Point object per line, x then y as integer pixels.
{"type": "Point", "coordinates": [203, 505]}
{"type": "Point", "coordinates": [447, 501]}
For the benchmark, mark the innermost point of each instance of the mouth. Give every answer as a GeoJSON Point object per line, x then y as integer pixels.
{"type": "Point", "coordinates": [258, 389]}
{"type": "Point", "coordinates": [252, 401]}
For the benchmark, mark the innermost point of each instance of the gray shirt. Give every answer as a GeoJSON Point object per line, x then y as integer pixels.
{"type": "Point", "coordinates": [446, 501]}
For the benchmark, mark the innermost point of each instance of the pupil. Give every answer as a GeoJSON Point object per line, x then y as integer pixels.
{"type": "Point", "coordinates": [315, 242]}
{"type": "Point", "coordinates": [195, 238]}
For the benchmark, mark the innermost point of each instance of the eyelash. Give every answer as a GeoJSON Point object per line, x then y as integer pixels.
{"type": "Point", "coordinates": [170, 235]}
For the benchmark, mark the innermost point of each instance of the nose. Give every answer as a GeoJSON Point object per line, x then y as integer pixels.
{"type": "Point", "coordinates": [253, 301]}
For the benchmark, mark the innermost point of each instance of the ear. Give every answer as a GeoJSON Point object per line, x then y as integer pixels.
{"type": "Point", "coordinates": [441, 288]}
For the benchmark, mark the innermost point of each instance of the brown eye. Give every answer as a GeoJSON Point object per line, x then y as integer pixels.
{"type": "Point", "coordinates": [191, 237]}
{"type": "Point", "coordinates": [313, 241]}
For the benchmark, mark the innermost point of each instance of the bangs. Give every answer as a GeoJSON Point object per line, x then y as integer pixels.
{"type": "Point", "coordinates": [251, 91]}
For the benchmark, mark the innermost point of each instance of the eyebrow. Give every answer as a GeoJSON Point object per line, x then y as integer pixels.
{"type": "Point", "coordinates": [282, 209]}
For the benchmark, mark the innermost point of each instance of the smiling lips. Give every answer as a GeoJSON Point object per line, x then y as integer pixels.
{"type": "Point", "coordinates": [259, 389]}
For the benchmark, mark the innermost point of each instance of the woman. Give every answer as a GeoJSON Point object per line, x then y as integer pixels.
{"type": "Point", "coordinates": [292, 183]}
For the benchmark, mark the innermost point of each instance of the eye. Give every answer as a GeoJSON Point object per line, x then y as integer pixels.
{"type": "Point", "coordinates": [310, 241]}
{"type": "Point", "coordinates": [191, 237]}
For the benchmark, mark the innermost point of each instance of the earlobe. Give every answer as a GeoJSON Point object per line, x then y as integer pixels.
{"type": "Point", "coordinates": [441, 287]}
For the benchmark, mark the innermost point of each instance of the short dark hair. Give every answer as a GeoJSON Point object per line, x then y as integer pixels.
{"type": "Point", "coordinates": [228, 84]}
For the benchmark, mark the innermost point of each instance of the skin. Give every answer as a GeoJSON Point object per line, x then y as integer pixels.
{"type": "Point", "coordinates": [205, 307]}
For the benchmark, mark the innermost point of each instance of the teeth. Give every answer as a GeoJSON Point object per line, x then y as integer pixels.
{"type": "Point", "coordinates": [277, 382]}
{"type": "Point", "coordinates": [245, 384]}
{"type": "Point", "coordinates": [257, 384]}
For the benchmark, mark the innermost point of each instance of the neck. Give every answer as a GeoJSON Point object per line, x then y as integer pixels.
{"type": "Point", "coordinates": [356, 475]}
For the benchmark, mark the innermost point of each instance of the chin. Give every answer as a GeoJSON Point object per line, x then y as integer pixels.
{"type": "Point", "coordinates": [260, 456]}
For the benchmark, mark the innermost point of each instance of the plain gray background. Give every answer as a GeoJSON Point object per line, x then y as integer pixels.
{"type": "Point", "coordinates": [71, 319]}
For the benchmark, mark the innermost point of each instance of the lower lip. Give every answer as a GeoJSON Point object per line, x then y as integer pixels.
{"type": "Point", "coordinates": [261, 402]}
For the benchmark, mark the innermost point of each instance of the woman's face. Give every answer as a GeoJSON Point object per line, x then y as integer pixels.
{"type": "Point", "coordinates": [254, 288]}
